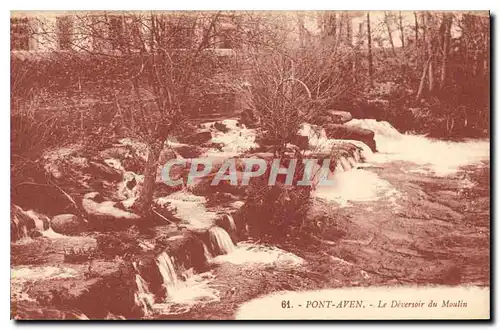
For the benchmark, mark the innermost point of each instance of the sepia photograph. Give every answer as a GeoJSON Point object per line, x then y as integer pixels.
{"type": "Point", "coordinates": [250, 165]}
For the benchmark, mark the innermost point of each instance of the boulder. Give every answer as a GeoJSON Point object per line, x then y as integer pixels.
{"type": "Point", "coordinates": [104, 171]}
{"type": "Point", "coordinates": [335, 131]}
{"type": "Point", "coordinates": [221, 127]}
{"type": "Point", "coordinates": [107, 214]}
{"type": "Point", "coordinates": [47, 199]}
{"type": "Point", "coordinates": [188, 151]}
{"type": "Point", "coordinates": [203, 186]}
{"type": "Point", "coordinates": [339, 117]}
{"type": "Point", "coordinates": [199, 137]}
{"type": "Point", "coordinates": [67, 224]}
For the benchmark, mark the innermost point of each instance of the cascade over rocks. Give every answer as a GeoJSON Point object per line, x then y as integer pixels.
{"type": "Point", "coordinates": [21, 225]}
{"type": "Point", "coordinates": [27, 223]}
{"type": "Point", "coordinates": [219, 241]}
{"type": "Point", "coordinates": [227, 222]}
{"type": "Point", "coordinates": [188, 251]}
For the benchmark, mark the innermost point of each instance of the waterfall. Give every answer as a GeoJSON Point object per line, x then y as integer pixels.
{"type": "Point", "coordinates": [230, 220]}
{"type": "Point", "coordinates": [143, 297]}
{"type": "Point", "coordinates": [357, 156]}
{"type": "Point", "coordinates": [352, 161]}
{"type": "Point", "coordinates": [220, 241]}
{"type": "Point", "coordinates": [167, 271]}
{"type": "Point", "coordinates": [338, 167]}
{"type": "Point", "coordinates": [345, 164]}
{"type": "Point", "coordinates": [431, 155]}
{"type": "Point", "coordinates": [226, 221]}
{"type": "Point", "coordinates": [40, 223]}
{"type": "Point", "coordinates": [380, 128]}
{"type": "Point", "coordinates": [206, 251]}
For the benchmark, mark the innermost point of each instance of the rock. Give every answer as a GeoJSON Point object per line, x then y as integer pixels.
{"type": "Point", "coordinates": [106, 214]}
{"type": "Point", "coordinates": [221, 127]}
{"type": "Point", "coordinates": [188, 151]}
{"type": "Point", "coordinates": [200, 137]}
{"type": "Point", "coordinates": [335, 131]}
{"type": "Point", "coordinates": [106, 172]}
{"type": "Point", "coordinates": [67, 224]}
{"type": "Point", "coordinates": [111, 316]}
{"type": "Point", "coordinates": [97, 295]}
{"type": "Point", "coordinates": [47, 199]}
{"type": "Point", "coordinates": [203, 187]}
{"type": "Point", "coordinates": [24, 310]}
{"type": "Point", "coordinates": [339, 117]}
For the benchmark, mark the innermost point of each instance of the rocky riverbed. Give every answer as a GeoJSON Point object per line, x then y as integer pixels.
{"type": "Point", "coordinates": [416, 212]}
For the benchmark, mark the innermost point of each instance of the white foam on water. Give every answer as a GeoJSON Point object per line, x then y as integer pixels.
{"type": "Point", "coordinates": [357, 185]}
{"type": "Point", "coordinates": [220, 241]}
{"type": "Point", "coordinates": [41, 272]}
{"type": "Point", "coordinates": [184, 295]}
{"type": "Point", "coordinates": [190, 208]}
{"type": "Point", "coordinates": [114, 163]}
{"type": "Point", "coordinates": [20, 275]}
{"type": "Point", "coordinates": [250, 253]}
{"type": "Point", "coordinates": [430, 155]}
{"type": "Point", "coordinates": [50, 233]}
{"type": "Point", "coordinates": [39, 223]}
{"type": "Point", "coordinates": [195, 289]}
{"type": "Point", "coordinates": [235, 141]}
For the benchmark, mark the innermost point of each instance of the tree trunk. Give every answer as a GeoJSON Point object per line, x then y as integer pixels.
{"type": "Point", "coordinates": [422, 79]}
{"type": "Point", "coordinates": [431, 77]}
{"type": "Point", "coordinates": [348, 23]}
{"type": "Point", "coordinates": [447, 20]}
{"type": "Point", "coordinates": [370, 57]}
{"type": "Point", "coordinates": [416, 28]}
{"type": "Point", "coordinates": [148, 187]}
{"type": "Point", "coordinates": [389, 32]}
{"type": "Point", "coordinates": [416, 39]}
{"type": "Point", "coordinates": [401, 30]}
{"type": "Point", "coordinates": [424, 32]}
{"type": "Point", "coordinates": [430, 51]}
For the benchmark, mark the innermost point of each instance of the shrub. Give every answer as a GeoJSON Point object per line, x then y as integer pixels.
{"type": "Point", "coordinates": [277, 210]}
